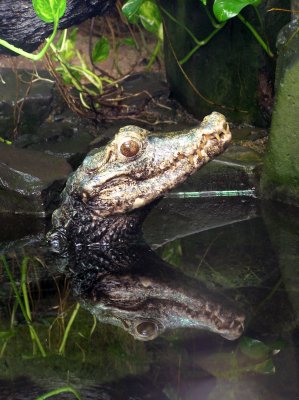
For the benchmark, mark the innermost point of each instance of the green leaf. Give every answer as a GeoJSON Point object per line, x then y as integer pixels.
{"type": "Point", "coordinates": [226, 9]}
{"type": "Point", "coordinates": [131, 8]}
{"type": "Point", "coordinates": [49, 10]}
{"type": "Point", "coordinates": [101, 50]}
{"type": "Point", "coordinates": [4, 335]}
{"type": "Point", "coordinates": [150, 16]}
{"type": "Point", "coordinates": [253, 348]}
{"type": "Point", "coordinates": [128, 42]}
{"type": "Point", "coordinates": [266, 367]}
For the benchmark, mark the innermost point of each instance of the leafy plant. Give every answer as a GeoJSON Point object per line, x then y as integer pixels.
{"type": "Point", "coordinates": [49, 11]}
{"type": "Point", "coordinates": [149, 14]}
{"type": "Point", "coordinates": [251, 356]}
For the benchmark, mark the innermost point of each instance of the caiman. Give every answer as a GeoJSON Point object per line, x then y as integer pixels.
{"type": "Point", "coordinates": [98, 226]}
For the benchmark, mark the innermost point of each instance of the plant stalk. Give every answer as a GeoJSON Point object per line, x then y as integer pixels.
{"type": "Point", "coordinates": [67, 329]}
{"type": "Point", "coordinates": [256, 35]}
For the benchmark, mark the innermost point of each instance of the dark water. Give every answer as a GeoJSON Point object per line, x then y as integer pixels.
{"type": "Point", "coordinates": [246, 249]}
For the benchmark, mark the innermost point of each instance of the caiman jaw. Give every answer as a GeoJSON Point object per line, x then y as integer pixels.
{"type": "Point", "coordinates": [156, 164]}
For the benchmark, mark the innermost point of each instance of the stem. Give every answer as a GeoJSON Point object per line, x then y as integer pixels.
{"type": "Point", "coordinates": [212, 20]}
{"type": "Point", "coordinates": [154, 55]}
{"type": "Point", "coordinates": [180, 24]}
{"type": "Point", "coordinates": [66, 389]}
{"type": "Point", "coordinates": [33, 333]}
{"type": "Point", "coordinates": [33, 57]}
{"type": "Point", "coordinates": [201, 43]}
{"type": "Point", "coordinates": [25, 294]}
{"type": "Point", "coordinates": [67, 329]}
{"type": "Point", "coordinates": [256, 35]}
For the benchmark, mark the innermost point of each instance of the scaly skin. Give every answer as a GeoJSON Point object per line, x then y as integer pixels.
{"type": "Point", "coordinates": [122, 281]}
{"type": "Point", "coordinates": [109, 183]}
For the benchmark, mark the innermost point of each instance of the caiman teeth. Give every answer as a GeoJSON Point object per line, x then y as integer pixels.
{"type": "Point", "coordinates": [191, 159]}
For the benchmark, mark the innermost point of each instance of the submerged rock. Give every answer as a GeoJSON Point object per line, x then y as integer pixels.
{"type": "Point", "coordinates": [30, 181]}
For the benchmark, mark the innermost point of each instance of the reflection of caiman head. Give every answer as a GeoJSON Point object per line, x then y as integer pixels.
{"type": "Point", "coordinates": [100, 218]}
{"type": "Point", "coordinates": [158, 297]}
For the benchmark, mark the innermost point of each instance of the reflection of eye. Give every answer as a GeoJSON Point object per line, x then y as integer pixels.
{"type": "Point", "coordinates": [147, 330]}
{"type": "Point", "coordinates": [129, 148]}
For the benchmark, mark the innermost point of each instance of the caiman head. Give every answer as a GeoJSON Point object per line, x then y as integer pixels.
{"type": "Point", "coordinates": [158, 297]}
{"type": "Point", "coordinates": [137, 167]}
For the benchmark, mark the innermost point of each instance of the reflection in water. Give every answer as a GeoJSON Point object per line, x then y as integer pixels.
{"type": "Point", "coordinates": [256, 260]}
{"type": "Point", "coordinates": [124, 283]}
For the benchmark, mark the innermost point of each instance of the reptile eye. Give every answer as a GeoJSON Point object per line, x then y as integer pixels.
{"type": "Point", "coordinates": [129, 148]}
{"type": "Point", "coordinates": [147, 330]}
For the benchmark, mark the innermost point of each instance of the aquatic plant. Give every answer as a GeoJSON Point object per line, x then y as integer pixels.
{"type": "Point", "coordinates": [22, 300]}
{"type": "Point", "coordinates": [24, 304]}
{"type": "Point", "coordinates": [55, 392]}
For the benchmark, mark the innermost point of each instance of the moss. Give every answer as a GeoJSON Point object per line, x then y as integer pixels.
{"type": "Point", "coordinates": [280, 178]}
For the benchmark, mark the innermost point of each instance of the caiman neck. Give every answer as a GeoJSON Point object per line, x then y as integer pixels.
{"type": "Point", "coordinates": [101, 244]}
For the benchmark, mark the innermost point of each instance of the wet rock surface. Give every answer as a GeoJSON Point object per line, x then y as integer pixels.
{"type": "Point", "coordinates": [30, 181]}
{"type": "Point", "coordinates": [24, 104]}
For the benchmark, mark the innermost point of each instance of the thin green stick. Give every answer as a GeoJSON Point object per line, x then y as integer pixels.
{"type": "Point", "coordinates": [67, 329]}
{"type": "Point", "coordinates": [33, 333]}
{"type": "Point", "coordinates": [33, 57]}
{"type": "Point", "coordinates": [212, 193]}
{"type": "Point", "coordinates": [256, 35]}
{"type": "Point", "coordinates": [65, 389]}
{"type": "Point", "coordinates": [154, 54]}
{"type": "Point", "coordinates": [200, 44]}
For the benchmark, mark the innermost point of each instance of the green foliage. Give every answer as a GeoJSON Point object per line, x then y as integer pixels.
{"type": "Point", "coordinates": [172, 252]}
{"type": "Point", "coordinates": [5, 141]}
{"type": "Point", "coordinates": [150, 17]}
{"type": "Point", "coordinates": [65, 52]}
{"type": "Point", "coordinates": [131, 9]}
{"type": "Point", "coordinates": [49, 10]}
{"type": "Point", "coordinates": [67, 44]}
{"type": "Point", "coordinates": [66, 389]}
{"type": "Point", "coordinates": [101, 50]}
{"type": "Point", "coordinates": [250, 356]}
{"type": "Point", "coordinates": [227, 9]}
{"type": "Point", "coordinates": [146, 12]}
{"type": "Point", "coordinates": [254, 348]}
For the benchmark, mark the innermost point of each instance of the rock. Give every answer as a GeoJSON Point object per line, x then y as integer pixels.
{"type": "Point", "coordinates": [280, 178]}
{"type": "Point", "coordinates": [30, 181]}
{"type": "Point", "coordinates": [23, 106]}
{"type": "Point", "coordinates": [65, 139]}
